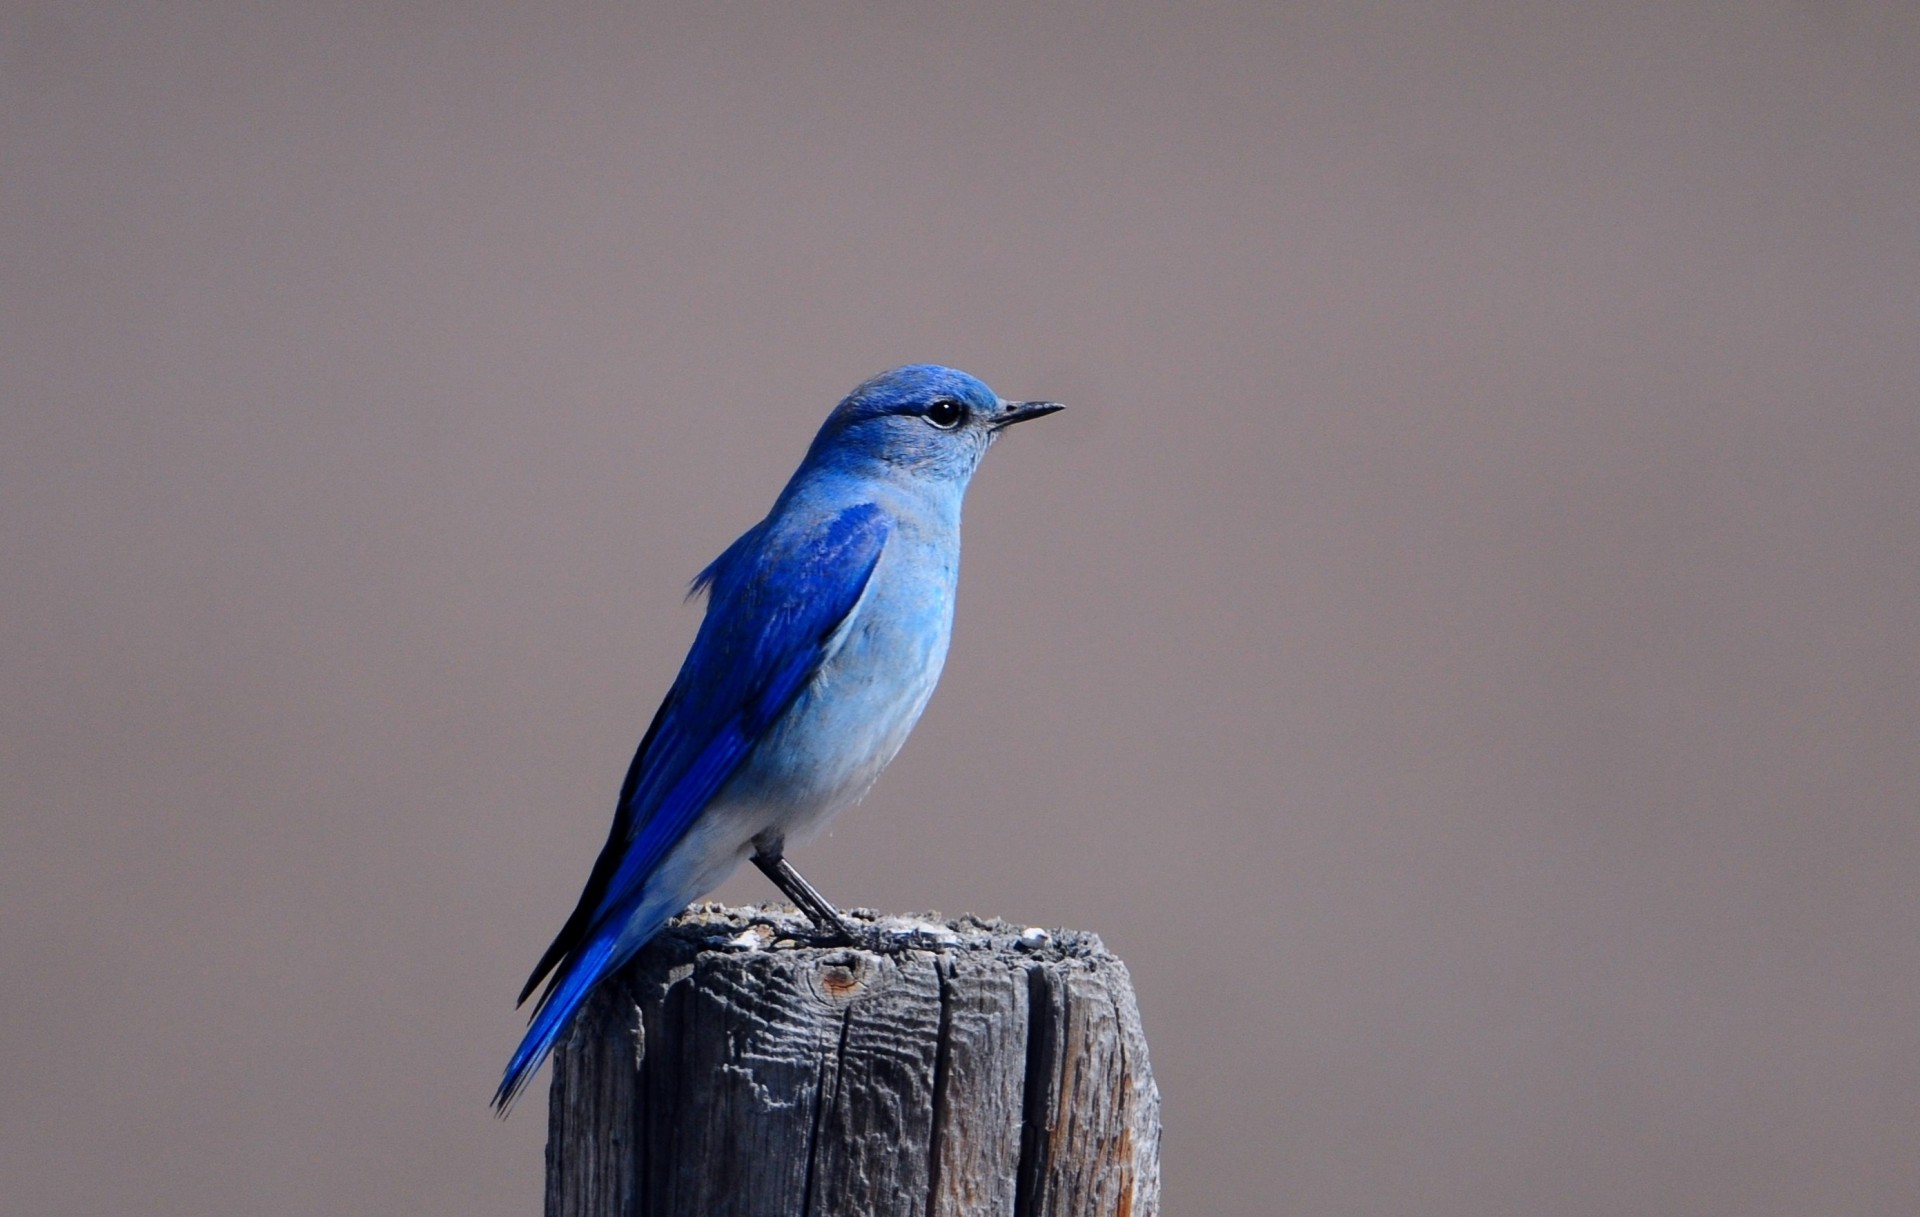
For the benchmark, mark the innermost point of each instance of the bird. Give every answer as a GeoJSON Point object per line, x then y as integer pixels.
{"type": "Point", "coordinates": [826, 627]}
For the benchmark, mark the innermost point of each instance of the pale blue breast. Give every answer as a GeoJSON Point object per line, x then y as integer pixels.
{"type": "Point", "coordinates": [842, 730]}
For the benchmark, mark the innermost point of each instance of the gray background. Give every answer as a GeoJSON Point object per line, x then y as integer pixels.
{"type": "Point", "coordinates": [1459, 647]}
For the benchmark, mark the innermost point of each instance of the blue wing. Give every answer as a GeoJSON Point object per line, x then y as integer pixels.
{"type": "Point", "coordinates": [775, 598]}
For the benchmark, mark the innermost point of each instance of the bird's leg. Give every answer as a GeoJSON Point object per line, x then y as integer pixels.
{"type": "Point", "coordinates": [809, 901]}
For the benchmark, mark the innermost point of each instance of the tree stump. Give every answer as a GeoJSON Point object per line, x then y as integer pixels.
{"type": "Point", "coordinates": [733, 1068]}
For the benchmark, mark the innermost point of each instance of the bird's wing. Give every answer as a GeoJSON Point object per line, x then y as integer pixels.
{"type": "Point", "coordinates": [775, 600]}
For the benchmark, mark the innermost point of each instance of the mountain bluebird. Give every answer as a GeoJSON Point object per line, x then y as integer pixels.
{"type": "Point", "coordinates": [826, 627]}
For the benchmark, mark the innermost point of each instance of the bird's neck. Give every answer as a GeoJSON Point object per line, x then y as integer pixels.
{"type": "Point", "coordinates": [920, 502]}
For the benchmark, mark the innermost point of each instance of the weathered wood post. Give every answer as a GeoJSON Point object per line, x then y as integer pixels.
{"type": "Point", "coordinates": [735, 1069]}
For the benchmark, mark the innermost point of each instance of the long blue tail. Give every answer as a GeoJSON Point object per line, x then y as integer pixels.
{"type": "Point", "coordinates": [550, 1017]}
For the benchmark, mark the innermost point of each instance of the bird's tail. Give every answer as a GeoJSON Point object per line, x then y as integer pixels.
{"type": "Point", "coordinates": [550, 1017]}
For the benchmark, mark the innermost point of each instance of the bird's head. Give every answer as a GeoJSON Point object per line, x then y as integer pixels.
{"type": "Point", "coordinates": [921, 421]}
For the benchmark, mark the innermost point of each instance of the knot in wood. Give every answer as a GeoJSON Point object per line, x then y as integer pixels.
{"type": "Point", "coordinates": [838, 981]}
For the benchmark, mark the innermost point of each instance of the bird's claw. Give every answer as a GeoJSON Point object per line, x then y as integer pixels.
{"type": "Point", "coordinates": [891, 936]}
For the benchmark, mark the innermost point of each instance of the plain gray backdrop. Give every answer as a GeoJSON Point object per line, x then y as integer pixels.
{"type": "Point", "coordinates": [1459, 647]}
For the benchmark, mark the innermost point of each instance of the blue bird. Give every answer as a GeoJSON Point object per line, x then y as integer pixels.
{"type": "Point", "coordinates": [825, 631]}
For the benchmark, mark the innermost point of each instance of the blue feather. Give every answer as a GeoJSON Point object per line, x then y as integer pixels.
{"type": "Point", "coordinates": [776, 599]}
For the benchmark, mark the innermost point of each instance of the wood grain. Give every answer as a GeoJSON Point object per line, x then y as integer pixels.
{"type": "Point", "coordinates": [737, 1068]}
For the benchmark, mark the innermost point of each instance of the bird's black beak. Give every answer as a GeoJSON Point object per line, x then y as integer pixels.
{"type": "Point", "coordinates": [1011, 412]}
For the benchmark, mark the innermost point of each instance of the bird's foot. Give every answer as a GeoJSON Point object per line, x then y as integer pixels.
{"type": "Point", "coordinates": [867, 930]}
{"type": "Point", "coordinates": [863, 929]}
{"type": "Point", "coordinates": [827, 921]}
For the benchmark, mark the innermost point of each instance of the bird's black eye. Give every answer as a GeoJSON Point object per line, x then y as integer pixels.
{"type": "Point", "coordinates": [946, 415]}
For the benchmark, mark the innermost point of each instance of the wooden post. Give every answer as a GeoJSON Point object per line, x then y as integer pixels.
{"type": "Point", "coordinates": [734, 1069]}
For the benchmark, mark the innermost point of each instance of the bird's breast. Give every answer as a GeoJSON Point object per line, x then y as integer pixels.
{"type": "Point", "coordinates": [850, 720]}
